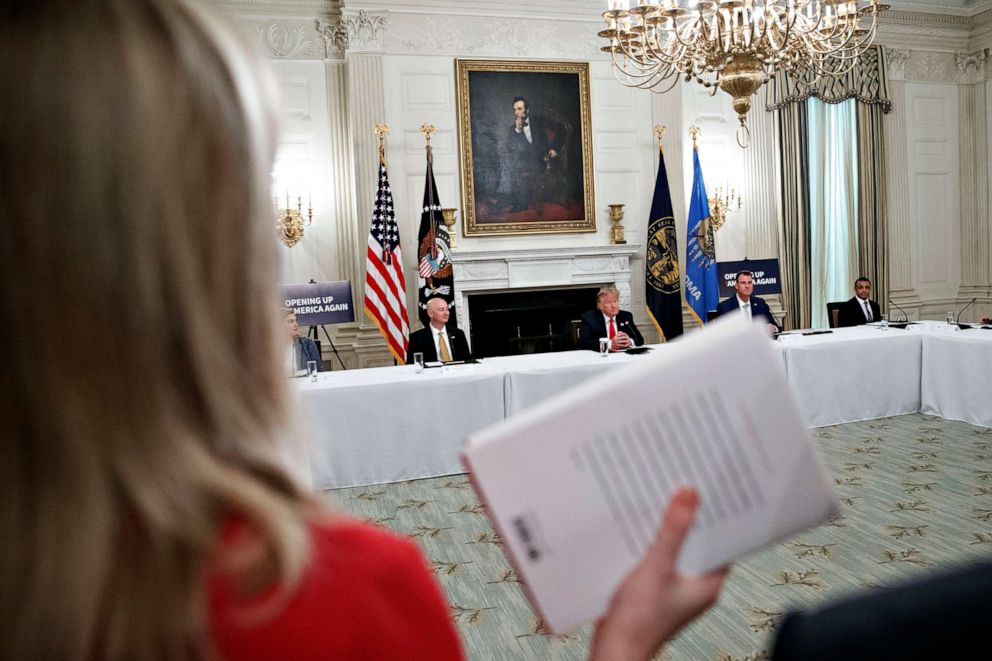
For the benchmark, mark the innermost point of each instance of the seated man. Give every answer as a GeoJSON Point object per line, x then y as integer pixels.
{"type": "Point", "coordinates": [608, 320]}
{"type": "Point", "coordinates": [301, 349]}
{"type": "Point", "coordinates": [860, 309]}
{"type": "Point", "coordinates": [437, 341]}
{"type": "Point", "coordinates": [752, 306]}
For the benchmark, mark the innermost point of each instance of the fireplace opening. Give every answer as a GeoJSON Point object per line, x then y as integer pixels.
{"type": "Point", "coordinates": [527, 321]}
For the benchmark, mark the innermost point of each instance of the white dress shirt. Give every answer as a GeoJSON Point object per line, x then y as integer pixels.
{"type": "Point", "coordinates": [865, 308]}
{"type": "Point", "coordinates": [616, 325]}
{"type": "Point", "coordinates": [745, 306]}
{"type": "Point", "coordinates": [447, 341]}
{"type": "Point", "coordinates": [526, 131]}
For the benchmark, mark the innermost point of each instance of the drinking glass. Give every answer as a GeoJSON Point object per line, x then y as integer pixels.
{"type": "Point", "coordinates": [418, 362]}
{"type": "Point", "coordinates": [312, 370]}
{"type": "Point", "coordinates": [950, 318]}
{"type": "Point", "coordinates": [885, 322]}
{"type": "Point", "coordinates": [604, 346]}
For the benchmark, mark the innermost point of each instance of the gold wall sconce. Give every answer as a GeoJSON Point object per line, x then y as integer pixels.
{"type": "Point", "coordinates": [722, 204]}
{"type": "Point", "coordinates": [291, 222]}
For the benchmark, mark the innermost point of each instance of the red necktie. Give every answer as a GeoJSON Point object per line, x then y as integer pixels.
{"type": "Point", "coordinates": [613, 329]}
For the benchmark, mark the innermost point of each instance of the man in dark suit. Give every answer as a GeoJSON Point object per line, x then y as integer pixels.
{"type": "Point", "coordinates": [860, 309]}
{"type": "Point", "coordinates": [608, 320]}
{"type": "Point", "coordinates": [436, 341]}
{"type": "Point", "coordinates": [531, 149]}
{"type": "Point", "coordinates": [752, 306]}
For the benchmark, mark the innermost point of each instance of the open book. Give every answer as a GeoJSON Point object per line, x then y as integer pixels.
{"type": "Point", "coordinates": [577, 486]}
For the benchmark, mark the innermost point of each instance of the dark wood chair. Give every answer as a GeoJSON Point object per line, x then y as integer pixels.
{"type": "Point", "coordinates": [833, 313]}
{"type": "Point", "coordinates": [711, 315]}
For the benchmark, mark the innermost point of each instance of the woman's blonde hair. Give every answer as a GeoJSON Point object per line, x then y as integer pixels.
{"type": "Point", "coordinates": [139, 356]}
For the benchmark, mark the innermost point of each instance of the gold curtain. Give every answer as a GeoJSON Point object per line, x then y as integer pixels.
{"type": "Point", "coordinates": [786, 96]}
{"type": "Point", "coordinates": [794, 266]}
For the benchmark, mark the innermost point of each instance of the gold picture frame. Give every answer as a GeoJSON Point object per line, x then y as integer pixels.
{"type": "Point", "coordinates": [525, 132]}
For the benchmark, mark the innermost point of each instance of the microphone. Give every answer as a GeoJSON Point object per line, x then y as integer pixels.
{"type": "Point", "coordinates": [957, 320]}
{"type": "Point", "coordinates": [905, 317]}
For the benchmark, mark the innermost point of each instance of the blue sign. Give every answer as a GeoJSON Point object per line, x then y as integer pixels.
{"type": "Point", "coordinates": [766, 276]}
{"type": "Point", "coordinates": [320, 303]}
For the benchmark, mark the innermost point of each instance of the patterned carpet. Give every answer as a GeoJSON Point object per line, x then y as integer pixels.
{"type": "Point", "coordinates": [917, 495]}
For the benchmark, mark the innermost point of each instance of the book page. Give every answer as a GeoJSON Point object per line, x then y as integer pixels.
{"type": "Point", "coordinates": [577, 485]}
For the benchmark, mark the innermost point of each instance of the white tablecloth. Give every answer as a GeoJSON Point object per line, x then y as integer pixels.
{"type": "Point", "coordinates": [388, 424]}
{"type": "Point", "coordinates": [957, 375]}
{"type": "Point", "coordinates": [854, 374]}
{"type": "Point", "coordinates": [534, 378]}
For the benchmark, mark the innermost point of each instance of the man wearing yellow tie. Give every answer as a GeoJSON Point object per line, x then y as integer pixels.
{"type": "Point", "coordinates": [436, 341]}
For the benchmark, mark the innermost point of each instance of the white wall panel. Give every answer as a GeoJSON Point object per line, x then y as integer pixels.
{"type": "Point", "coordinates": [933, 173]}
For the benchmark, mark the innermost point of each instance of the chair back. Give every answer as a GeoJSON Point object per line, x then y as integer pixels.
{"type": "Point", "coordinates": [833, 313]}
{"type": "Point", "coordinates": [711, 315]}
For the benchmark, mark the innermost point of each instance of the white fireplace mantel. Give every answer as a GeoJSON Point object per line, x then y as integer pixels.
{"type": "Point", "coordinates": [540, 268]}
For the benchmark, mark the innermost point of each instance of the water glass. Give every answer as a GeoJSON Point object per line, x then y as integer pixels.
{"type": "Point", "coordinates": [885, 322]}
{"type": "Point", "coordinates": [418, 362]}
{"type": "Point", "coordinates": [950, 318]}
{"type": "Point", "coordinates": [604, 346]}
{"type": "Point", "coordinates": [312, 370]}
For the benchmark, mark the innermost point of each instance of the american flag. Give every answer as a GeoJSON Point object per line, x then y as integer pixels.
{"type": "Point", "coordinates": [385, 288]}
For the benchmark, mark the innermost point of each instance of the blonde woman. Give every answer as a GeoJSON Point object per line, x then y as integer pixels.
{"type": "Point", "coordinates": [144, 511]}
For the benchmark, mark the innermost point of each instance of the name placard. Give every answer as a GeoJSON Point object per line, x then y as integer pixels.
{"type": "Point", "coordinates": [318, 303]}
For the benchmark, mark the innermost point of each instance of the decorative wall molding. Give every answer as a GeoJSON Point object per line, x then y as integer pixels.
{"type": "Point", "coordinates": [366, 31]}
{"type": "Point", "coordinates": [335, 36]}
{"type": "Point", "coordinates": [971, 66]}
{"type": "Point", "coordinates": [480, 36]}
{"type": "Point", "coordinates": [897, 59]}
{"type": "Point", "coordinates": [290, 39]}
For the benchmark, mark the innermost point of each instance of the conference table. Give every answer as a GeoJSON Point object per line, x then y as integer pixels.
{"type": "Point", "coordinates": [389, 424]}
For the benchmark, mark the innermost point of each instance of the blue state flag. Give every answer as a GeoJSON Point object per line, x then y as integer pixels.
{"type": "Point", "coordinates": [701, 292]}
{"type": "Point", "coordinates": [663, 291]}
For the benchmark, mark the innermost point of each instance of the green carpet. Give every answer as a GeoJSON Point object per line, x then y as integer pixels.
{"type": "Point", "coordinates": [917, 495]}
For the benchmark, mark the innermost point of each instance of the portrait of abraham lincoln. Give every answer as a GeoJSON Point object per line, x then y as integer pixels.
{"type": "Point", "coordinates": [525, 137]}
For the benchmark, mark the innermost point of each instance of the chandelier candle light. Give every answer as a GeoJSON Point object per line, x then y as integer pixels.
{"type": "Point", "coordinates": [736, 45]}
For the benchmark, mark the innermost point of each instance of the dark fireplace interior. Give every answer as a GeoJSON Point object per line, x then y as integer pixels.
{"type": "Point", "coordinates": [524, 322]}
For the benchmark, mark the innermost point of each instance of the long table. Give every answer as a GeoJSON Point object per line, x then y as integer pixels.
{"type": "Point", "coordinates": [388, 424]}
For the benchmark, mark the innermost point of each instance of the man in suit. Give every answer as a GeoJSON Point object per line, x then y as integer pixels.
{"type": "Point", "coordinates": [608, 320]}
{"type": "Point", "coordinates": [860, 309]}
{"type": "Point", "coordinates": [752, 306]}
{"type": "Point", "coordinates": [532, 147]}
{"type": "Point", "coordinates": [302, 349]}
{"type": "Point", "coordinates": [436, 341]}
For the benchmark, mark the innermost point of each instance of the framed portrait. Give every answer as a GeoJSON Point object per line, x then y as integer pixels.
{"type": "Point", "coordinates": [526, 144]}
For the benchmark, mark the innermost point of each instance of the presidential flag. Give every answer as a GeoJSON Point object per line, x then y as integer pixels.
{"type": "Point", "coordinates": [434, 271]}
{"type": "Point", "coordinates": [663, 291]}
{"type": "Point", "coordinates": [701, 293]}
{"type": "Point", "coordinates": [385, 288]}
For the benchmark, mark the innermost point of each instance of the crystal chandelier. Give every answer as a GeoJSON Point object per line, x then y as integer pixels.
{"type": "Point", "coordinates": [736, 45]}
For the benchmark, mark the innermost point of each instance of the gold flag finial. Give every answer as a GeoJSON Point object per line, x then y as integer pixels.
{"type": "Point", "coordinates": [695, 133]}
{"type": "Point", "coordinates": [660, 132]}
{"type": "Point", "coordinates": [381, 131]}
{"type": "Point", "coordinates": [428, 130]}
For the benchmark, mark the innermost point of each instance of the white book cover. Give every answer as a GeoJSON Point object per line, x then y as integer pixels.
{"type": "Point", "coordinates": [577, 485]}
